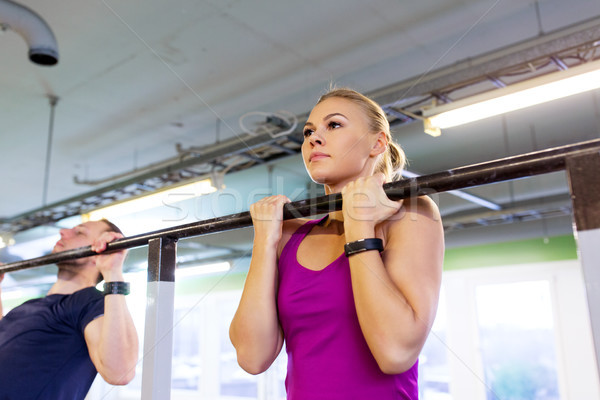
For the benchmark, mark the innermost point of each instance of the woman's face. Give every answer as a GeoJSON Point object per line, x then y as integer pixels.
{"type": "Point", "coordinates": [338, 146]}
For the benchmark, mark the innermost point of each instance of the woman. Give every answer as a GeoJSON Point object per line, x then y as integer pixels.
{"type": "Point", "coordinates": [354, 314]}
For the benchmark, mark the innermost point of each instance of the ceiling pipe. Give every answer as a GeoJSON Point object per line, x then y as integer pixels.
{"type": "Point", "coordinates": [43, 49]}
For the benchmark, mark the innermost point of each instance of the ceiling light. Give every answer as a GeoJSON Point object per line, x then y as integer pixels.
{"type": "Point", "coordinates": [156, 199]}
{"type": "Point", "coordinates": [203, 269]}
{"type": "Point", "coordinates": [14, 294]}
{"type": "Point", "coordinates": [463, 195]}
{"type": "Point", "coordinates": [539, 90]}
{"type": "Point", "coordinates": [6, 240]}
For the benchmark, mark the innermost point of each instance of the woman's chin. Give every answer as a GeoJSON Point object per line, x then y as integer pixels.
{"type": "Point", "coordinates": [320, 179]}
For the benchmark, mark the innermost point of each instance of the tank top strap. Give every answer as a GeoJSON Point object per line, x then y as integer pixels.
{"type": "Point", "coordinates": [297, 237]}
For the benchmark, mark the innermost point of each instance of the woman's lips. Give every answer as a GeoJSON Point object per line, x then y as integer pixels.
{"type": "Point", "coordinates": [317, 156]}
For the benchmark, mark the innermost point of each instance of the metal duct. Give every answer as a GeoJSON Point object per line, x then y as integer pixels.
{"type": "Point", "coordinates": [43, 49]}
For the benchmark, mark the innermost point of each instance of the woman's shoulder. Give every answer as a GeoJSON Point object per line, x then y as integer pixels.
{"type": "Point", "coordinates": [414, 210]}
{"type": "Point", "coordinates": [422, 205]}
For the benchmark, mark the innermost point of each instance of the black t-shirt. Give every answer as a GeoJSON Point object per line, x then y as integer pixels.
{"type": "Point", "coordinates": [43, 354]}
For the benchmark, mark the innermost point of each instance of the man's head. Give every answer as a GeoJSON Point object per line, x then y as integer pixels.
{"type": "Point", "coordinates": [83, 235]}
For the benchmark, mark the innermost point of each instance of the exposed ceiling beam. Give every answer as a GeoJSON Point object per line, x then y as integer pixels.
{"type": "Point", "coordinates": [478, 68]}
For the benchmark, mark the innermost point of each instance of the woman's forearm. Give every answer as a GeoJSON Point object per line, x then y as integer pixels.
{"type": "Point", "coordinates": [255, 331]}
{"type": "Point", "coordinates": [396, 292]}
{"type": "Point", "coordinates": [394, 327]}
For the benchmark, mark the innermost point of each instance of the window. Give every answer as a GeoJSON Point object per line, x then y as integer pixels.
{"type": "Point", "coordinates": [234, 382]}
{"type": "Point", "coordinates": [434, 374]}
{"type": "Point", "coordinates": [517, 332]}
{"type": "Point", "coordinates": [520, 332]}
{"type": "Point", "coordinates": [517, 341]}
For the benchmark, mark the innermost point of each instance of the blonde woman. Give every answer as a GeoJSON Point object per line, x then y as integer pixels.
{"type": "Point", "coordinates": [353, 294]}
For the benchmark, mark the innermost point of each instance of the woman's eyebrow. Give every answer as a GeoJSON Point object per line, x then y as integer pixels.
{"type": "Point", "coordinates": [328, 116]}
{"type": "Point", "coordinates": [333, 115]}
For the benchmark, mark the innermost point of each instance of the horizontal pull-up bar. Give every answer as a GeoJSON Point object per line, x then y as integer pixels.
{"type": "Point", "coordinates": [530, 164]}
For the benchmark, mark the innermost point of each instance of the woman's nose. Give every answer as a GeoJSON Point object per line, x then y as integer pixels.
{"type": "Point", "coordinates": [317, 138]}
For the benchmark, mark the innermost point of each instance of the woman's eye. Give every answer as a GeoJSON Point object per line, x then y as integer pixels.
{"type": "Point", "coordinates": [333, 125]}
{"type": "Point", "coordinates": [307, 132]}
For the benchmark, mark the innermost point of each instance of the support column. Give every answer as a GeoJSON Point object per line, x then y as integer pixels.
{"type": "Point", "coordinates": [583, 172]}
{"type": "Point", "coordinates": [160, 306]}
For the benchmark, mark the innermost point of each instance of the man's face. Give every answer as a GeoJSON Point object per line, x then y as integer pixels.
{"type": "Point", "coordinates": [79, 236]}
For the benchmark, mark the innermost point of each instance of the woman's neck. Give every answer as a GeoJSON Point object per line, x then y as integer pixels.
{"type": "Point", "coordinates": [335, 220]}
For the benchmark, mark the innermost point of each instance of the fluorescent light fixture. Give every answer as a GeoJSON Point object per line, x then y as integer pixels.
{"type": "Point", "coordinates": [26, 290]}
{"type": "Point", "coordinates": [13, 294]}
{"type": "Point", "coordinates": [463, 195]}
{"type": "Point", "coordinates": [152, 200]}
{"type": "Point", "coordinates": [6, 240]}
{"type": "Point", "coordinates": [538, 90]}
{"type": "Point", "coordinates": [202, 269]}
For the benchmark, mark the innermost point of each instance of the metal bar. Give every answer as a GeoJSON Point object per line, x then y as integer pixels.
{"type": "Point", "coordinates": [584, 182]}
{"type": "Point", "coordinates": [158, 332]}
{"type": "Point", "coordinates": [53, 101]}
{"type": "Point", "coordinates": [530, 164]}
{"type": "Point", "coordinates": [589, 256]}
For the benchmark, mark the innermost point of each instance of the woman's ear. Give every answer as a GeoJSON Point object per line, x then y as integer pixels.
{"type": "Point", "coordinates": [380, 145]}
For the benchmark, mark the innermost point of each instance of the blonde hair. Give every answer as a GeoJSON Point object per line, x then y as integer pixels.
{"type": "Point", "coordinates": [393, 159]}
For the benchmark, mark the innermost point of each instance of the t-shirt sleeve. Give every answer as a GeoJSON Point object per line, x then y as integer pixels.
{"type": "Point", "coordinates": [96, 309]}
{"type": "Point", "coordinates": [86, 305]}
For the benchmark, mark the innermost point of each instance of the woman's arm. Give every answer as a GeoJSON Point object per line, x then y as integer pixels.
{"type": "Point", "coordinates": [255, 331]}
{"type": "Point", "coordinates": [395, 292]}
{"type": "Point", "coordinates": [112, 339]}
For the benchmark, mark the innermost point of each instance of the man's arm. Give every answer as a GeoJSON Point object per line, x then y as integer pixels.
{"type": "Point", "coordinates": [112, 339]}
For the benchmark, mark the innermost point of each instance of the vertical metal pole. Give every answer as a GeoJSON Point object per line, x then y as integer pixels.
{"type": "Point", "coordinates": [158, 337]}
{"type": "Point", "coordinates": [583, 172]}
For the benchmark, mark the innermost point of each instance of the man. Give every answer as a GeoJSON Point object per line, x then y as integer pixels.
{"type": "Point", "coordinates": [52, 347]}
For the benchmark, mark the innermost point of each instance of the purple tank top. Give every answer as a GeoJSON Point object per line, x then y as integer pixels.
{"type": "Point", "coordinates": [328, 357]}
